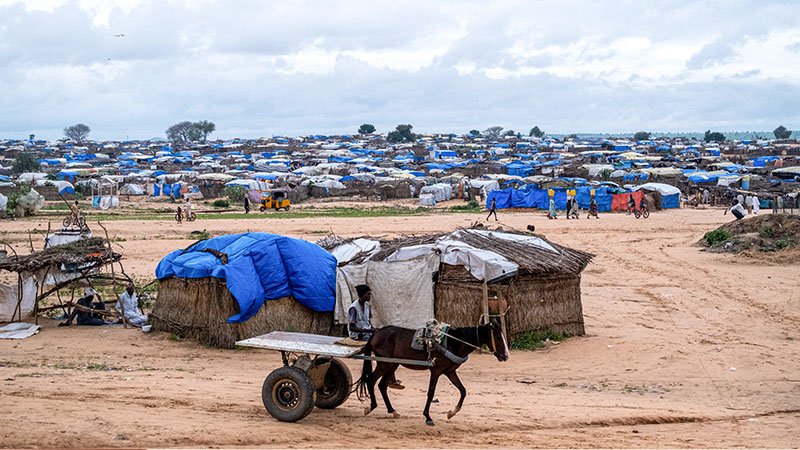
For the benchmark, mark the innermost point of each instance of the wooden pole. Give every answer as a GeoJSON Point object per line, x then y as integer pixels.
{"type": "Point", "coordinates": [485, 317]}
{"type": "Point", "coordinates": [114, 278]}
{"type": "Point", "coordinates": [502, 315]}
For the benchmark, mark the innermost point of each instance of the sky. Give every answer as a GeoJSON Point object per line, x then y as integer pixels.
{"type": "Point", "coordinates": [130, 69]}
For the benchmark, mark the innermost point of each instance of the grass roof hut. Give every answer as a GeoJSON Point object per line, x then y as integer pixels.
{"type": "Point", "coordinates": [538, 279]}
{"type": "Point", "coordinates": [235, 287]}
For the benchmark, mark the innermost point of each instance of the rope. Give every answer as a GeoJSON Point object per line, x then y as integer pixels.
{"type": "Point", "coordinates": [480, 350]}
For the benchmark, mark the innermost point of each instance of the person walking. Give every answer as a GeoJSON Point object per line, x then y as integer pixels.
{"type": "Point", "coordinates": [756, 205]}
{"type": "Point", "coordinates": [247, 203]}
{"type": "Point", "coordinates": [592, 208]}
{"type": "Point", "coordinates": [551, 213]}
{"type": "Point", "coordinates": [493, 210]}
{"type": "Point", "coordinates": [748, 202]}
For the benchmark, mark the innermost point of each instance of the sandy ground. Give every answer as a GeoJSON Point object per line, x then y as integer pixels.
{"type": "Point", "coordinates": [684, 348]}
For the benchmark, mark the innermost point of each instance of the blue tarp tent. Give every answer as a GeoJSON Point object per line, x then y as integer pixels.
{"type": "Point", "coordinates": [260, 267]}
{"type": "Point", "coordinates": [525, 198]}
{"type": "Point", "coordinates": [602, 196]}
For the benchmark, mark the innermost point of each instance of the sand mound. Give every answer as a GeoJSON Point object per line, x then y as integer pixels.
{"type": "Point", "coordinates": [778, 234]}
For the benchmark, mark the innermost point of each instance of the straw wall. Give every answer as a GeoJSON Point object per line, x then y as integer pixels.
{"type": "Point", "coordinates": [198, 308]}
{"type": "Point", "coordinates": [536, 303]}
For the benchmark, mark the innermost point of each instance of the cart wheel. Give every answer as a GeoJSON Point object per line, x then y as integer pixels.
{"type": "Point", "coordinates": [288, 394]}
{"type": "Point", "coordinates": [646, 213]}
{"type": "Point", "coordinates": [336, 386]}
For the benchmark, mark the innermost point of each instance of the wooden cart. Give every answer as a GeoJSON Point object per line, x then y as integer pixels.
{"type": "Point", "coordinates": [311, 374]}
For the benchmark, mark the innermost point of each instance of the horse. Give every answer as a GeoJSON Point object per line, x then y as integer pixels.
{"type": "Point", "coordinates": [395, 342]}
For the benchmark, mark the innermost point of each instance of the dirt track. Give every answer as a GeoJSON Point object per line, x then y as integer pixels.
{"type": "Point", "coordinates": [684, 348]}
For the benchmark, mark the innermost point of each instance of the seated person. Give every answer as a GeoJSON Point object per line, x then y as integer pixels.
{"type": "Point", "coordinates": [131, 304]}
{"type": "Point", "coordinates": [86, 317]}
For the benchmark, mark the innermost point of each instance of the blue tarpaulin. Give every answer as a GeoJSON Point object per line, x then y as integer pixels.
{"type": "Point", "coordinates": [260, 267]}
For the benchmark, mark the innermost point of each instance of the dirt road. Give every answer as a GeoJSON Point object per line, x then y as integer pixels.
{"type": "Point", "coordinates": [684, 348]}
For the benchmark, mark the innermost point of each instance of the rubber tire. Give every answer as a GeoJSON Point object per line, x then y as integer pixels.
{"type": "Point", "coordinates": [81, 222]}
{"type": "Point", "coordinates": [67, 221]}
{"type": "Point", "coordinates": [298, 381]}
{"type": "Point", "coordinates": [637, 214]}
{"type": "Point", "coordinates": [286, 207]}
{"type": "Point", "coordinates": [262, 209]}
{"type": "Point", "coordinates": [339, 377]}
{"type": "Point", "coordinates": [179, 217]}
{"type": "Point", "coordinates": [192, 217]}
{"type": "Point", "coordinates": [646, 213]}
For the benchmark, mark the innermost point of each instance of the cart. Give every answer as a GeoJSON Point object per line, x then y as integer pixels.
{"type": "Point", "coordinates": [311, 374]}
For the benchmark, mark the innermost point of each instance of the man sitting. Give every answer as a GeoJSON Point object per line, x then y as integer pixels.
{"type": "Point", "coordinates": [359, 325]}
{"type": "Point", "coordinates": [87, 317]}
{"type": "Point", "coordinates": [131, 304]}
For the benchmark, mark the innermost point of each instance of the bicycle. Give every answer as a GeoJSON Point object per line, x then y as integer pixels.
{"type": "Point", "coordinates": [72, 219]}
{"type": "Point", "coordinates": [641, 212]}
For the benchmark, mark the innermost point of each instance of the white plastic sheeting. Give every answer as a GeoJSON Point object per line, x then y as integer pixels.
{"type": "Point", "coordinates": [132, 189]}
{"type": "Point", "coordinates": [664, 189]}
{"type": "Point", "coordinates": [402, 292]}
{"type": "Point", "coordinates": [440, 191]}
{"type": "Point", "coordinates": [32, 202]}
{"type": "Point", "coordinates": [486, 185]}
{"type": "Point", "coordinates": [9, 295]}
{"type": "Point", "coordinates": [348, 251]}
{"type": "Point", "coordinates": [427, 200]}
{"type": "Point", "coordinates": [65, 237]}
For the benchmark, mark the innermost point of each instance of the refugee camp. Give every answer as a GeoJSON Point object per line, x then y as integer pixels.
{"type": "Point", "coordinates": [406, 225]}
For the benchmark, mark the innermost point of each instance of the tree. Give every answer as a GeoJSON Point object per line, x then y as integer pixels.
{"type": "Point", "coordinates": [713, 136]}
{"type": "Point", "coordinates": [536, 132]}
{"type": "Point", "coordinates": [510, 133]}
{"type": "Point", "coordinates": [25, 162]}
{"type": "Point", "coordinates": [475, 132]}
{"type": "Point", "coordinates": [366, 128]}
{"type": "Point", "coordinates": [179, 133]}
{"type": "Point", "coordinates": [782, 133]}
{"type": "Point", "coordinates": [402, 133]}
{"type": "Point", "coordinates": [205, 128]}
{"type": "Point", "coordinates": [77, 133]}
{"type": "Point", "coordinates": [493, 132]}
{"type": "Point", "coordinates": [641, 136]}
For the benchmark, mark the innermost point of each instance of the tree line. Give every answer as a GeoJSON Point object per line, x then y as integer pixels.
{"type": "Point", "coordinates": [186, 132]}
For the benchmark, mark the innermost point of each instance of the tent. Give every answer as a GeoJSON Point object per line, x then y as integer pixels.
{"type": "Point", "coordinates": [670, 195]}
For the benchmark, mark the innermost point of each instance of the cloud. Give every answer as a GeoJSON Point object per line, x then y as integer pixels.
{"type": "Point", "coordinates": [260, 68]}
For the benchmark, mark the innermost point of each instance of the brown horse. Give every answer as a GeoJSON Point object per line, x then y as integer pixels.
{"type": "Point", "coordinates": [395, 342]}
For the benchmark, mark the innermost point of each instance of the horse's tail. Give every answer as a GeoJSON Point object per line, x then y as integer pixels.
{"type": "Point", "coordinates": [366, 374]}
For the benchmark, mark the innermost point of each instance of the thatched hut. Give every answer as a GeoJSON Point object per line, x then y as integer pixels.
{"type": "Point", "coordinates": [197, 308]}
{"type": "Point", "coordinates": [542, 290]}
{"type": "Point", "coordinates": [238, 286]}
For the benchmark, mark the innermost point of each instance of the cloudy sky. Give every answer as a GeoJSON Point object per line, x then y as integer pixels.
{"type": "Point", "coordinates": [130, 69]}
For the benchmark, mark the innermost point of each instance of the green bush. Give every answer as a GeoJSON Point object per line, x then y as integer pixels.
{"type": "Point", "coordinates": [782, 243]}
{"type": "Point", "coordinates": [235, 193]}
{"type": "Point", "coordinates": [531, 340]}
{"type": "Point", "coordinates": [14, 196]}
{"type": "Point", "coordinates": [221, 203]}
{"type": "Point", "coordinates": [767, 232]}
{"type": "Point", "coordinates": [716, 237]}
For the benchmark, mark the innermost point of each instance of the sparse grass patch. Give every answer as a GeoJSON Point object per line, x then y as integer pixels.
{"type": "Point", "coordinates": [174, 338]}
{"type": "Point", "coordinates": [199, 235]}
{"type": "Point", "coordinates": [531, 340]}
